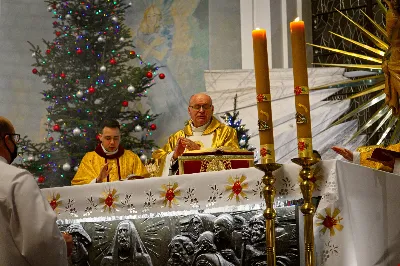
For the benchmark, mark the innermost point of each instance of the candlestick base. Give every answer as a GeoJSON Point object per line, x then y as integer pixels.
{"type": "Point", "coordinates": [269, 213]}
{"type": "Point", "coordinates": [308, 209]}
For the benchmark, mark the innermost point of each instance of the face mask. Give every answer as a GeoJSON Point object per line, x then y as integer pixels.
{"type": "Point", "coordinates": [13, 154]}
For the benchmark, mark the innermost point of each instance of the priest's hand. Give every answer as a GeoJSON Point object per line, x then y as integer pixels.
{"type": "Point", "coordinates": [184, 143]}
{"type": "Point", "coordinates": [104, 172]}
{"type": "Point", "coordinates": [347, 154]}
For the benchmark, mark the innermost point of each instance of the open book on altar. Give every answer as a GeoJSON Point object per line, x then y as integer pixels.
{"type": "Point", "coordinates": [218, 151]}
{"type": "Point", "coordinates": [132, 177]}
{"type": "Point", "coordinates": [214, 159]}
{"type": "Point", "coordinates": [386, 157]}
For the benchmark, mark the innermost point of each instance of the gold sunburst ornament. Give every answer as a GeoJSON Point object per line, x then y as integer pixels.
{"type": "Point", "coordinates": [169, 194]}
{"type": "Point", "coordinates": [236, 186]}
{"type": "Point", "coordinates": [385, 73]}
{"type": "Point", "coordinates": [330, 221]}
{"type": "Point", "coordinates": [55, 202]}
{"type": "Point", "coordinates": [109, 200]}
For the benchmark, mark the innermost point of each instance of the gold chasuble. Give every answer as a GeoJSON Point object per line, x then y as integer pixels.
{"type": "Point", "coordinates": [223, 135]}
{"type": "Point", "coordinates": [366, 152]}
{"type": "Point", "coordinates": [122, 164]}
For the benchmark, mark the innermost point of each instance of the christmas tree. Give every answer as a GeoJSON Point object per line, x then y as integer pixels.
{"type": "Point", "coordinates": [242, 133]}
{"type": "Point", "coordinates": [93, 74]}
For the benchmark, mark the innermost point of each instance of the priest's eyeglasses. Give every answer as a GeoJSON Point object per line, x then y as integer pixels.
{"type": "Point", "coordinates": [197, 107]}
{"type": "Point", "coordinates": [15, 137]}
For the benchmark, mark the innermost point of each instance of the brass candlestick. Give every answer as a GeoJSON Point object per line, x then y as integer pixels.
{"type": "Point", "coordinates": [269, 213]}
{"type": "Point", "coordinates": [308, 209]}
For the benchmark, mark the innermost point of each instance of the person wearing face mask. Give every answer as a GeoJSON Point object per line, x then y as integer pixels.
{"type": "Point", "coordinates": [109, 161]}
{"type": "Point", "coordinates": [29, 234]}
{"type": "Point", "coordinates": [202, 131]}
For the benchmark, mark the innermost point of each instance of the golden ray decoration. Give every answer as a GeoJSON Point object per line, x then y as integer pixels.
{"type": "Point", "coordinates": [366, 47]}
{"type": "Point", "coordinates": [367, 91]}
{"type": "Point", "coordinates": [361, 66]}
{"type": "Point", "coordinates": [377, 26]}
{"type": "Point", "coordinates": [378, 42]}
{"type": "Point", "coordinates": [360, 56]}
{"type": "Point", "coordinates": [374, 83]}
{"type": "Point", "coordinates": [369, 80]}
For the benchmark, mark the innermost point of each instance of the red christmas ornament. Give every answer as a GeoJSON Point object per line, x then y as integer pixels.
{"type": "Point", "coordinates": [58, 33]}
{"type": "Point", "coordinates": [34, 71]}
{"type": "Point", "coordinates": [132, 53]}
{"type": "Point", "coordinates": [153, 127]}
{"type": "Point", "coordinates": [48, 51]}
{"type": "Point", "coordinates": [149, 74]}
{"type": "Point", "coordinates": [161, 76]}
{"type": "Point", "coordinates": [91, 89]}
{"type": "Point", "coordinates": [55, 23]}
{"type": "Point", "coordinates": [62, 75]}
{"type": "Point", "coordinates": [41, 179]}
{"type": "Point", "coordinates": [51, 139]}
{"type": "Point", "coordinates": [113, 61]}
{"type": "Point", "coordinates": [56, 127]}
{"type": "Point", "coordinates": [79, 51]}
{"type": "Point", "coordinates": [125, 103]}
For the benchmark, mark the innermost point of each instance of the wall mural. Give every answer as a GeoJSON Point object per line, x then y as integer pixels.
{"type": "Point", "coordinates": [174, 35]}
{"type": "Point", "coordinates": [225, 239]}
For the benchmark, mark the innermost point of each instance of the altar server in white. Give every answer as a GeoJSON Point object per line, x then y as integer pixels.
{"type": "Point", "coordinates": [28, 231]}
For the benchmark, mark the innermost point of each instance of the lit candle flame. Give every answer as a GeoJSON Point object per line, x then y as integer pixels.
{"type": "Point", "coordinates": [297, 19]}
{"type": "Point", "coordinates": [257, 28]}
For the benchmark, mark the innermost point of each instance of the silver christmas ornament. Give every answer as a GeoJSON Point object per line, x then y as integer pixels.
{"type": "Point", "coordinates": [76, 131]}
{"type": "Point", "coordinates": [79, 94]}
{"type": "Point", "coordinates": [114, 18]}
{"type": "Point", "coordinates": [101, 39]}
{"type": "Point", "coordinates": [44, 80]}
{"type": "Point", "coordinates": [122, 39]}
{"type": "Point", "coordinates": [103, 68]}
{"type": "Point", "coordinates": [33, 54]}
{"type": "Point", "coordinates": [76, 168]}
{"type": "Point", "coordinates": [131, 88]}
{"type": "Point", "coordinates": [49, 9]}
{"type": "Point", "coordinates": [30, 158]}
{"type": "Point", "coordinates": [138, 128]}
{"type": "Point", "coordinates": [98, 101]}
{"type": "Point", "coordinates": [66, 167]}
{"type": "Point", "coordinates": [143, 157]}
{"type": "Point", "coordinates": [242, 142]}
{"type": "Point", "coordinates": [130, 3]}
{"type": "Point", "coordinates": [68, 16]}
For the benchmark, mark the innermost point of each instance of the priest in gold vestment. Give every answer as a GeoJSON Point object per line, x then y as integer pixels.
{"type": "Point", "coordinates": [110, 161]}
{"type": "Point", "coordinates": [362, 155]}
{"type": "Point", "coordinates": [202, 131]}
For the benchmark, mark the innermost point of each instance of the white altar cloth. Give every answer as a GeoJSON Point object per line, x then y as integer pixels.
{"type": "Point", "coordinates": [356, 222]}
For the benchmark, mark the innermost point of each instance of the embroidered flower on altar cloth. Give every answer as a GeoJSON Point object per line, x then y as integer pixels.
{"type": "Point", "coordinates": [331, 221]}
{"type": "Point", "coordinates": [109, 200]}
{"type": "Point", "coordinates": [236, 186]}
{"type": "Point", "coordinates": [169, 194]}
{"type": "Point", "coordinates": [55, 202]}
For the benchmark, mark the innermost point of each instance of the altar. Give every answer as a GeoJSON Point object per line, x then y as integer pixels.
{"type": "Point", "coordinates": [182, 220]}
